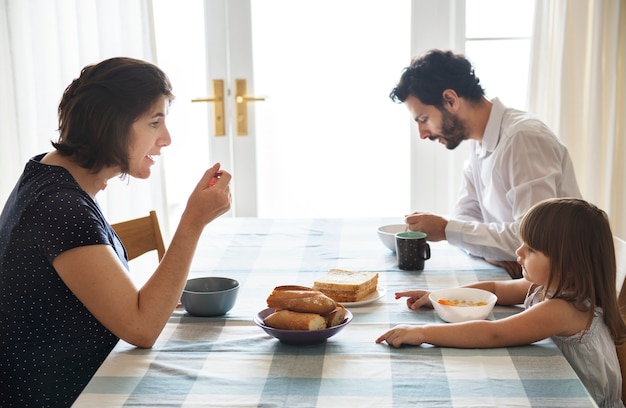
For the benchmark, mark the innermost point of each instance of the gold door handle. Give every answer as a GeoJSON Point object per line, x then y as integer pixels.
{"type": "Point", "coordinates": [218, 108]}
{"type": "Point", "coordinates": [241, 100]}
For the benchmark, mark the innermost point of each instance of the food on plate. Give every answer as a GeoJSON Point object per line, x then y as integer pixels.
{"type": "Point", "coordinates": [302, 308]}
{"type": "Point", "coordinates": [288, 320]}
{"type": "Point", "coordinates": [300, 299]}
{"type": "Point", "coordinates": [347, 286]}
{"type": "Point", "coordinates": [460, 303]}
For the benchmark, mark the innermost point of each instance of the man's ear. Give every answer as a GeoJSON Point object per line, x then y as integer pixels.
{"type": "Point", "coordinates": [450, 100]}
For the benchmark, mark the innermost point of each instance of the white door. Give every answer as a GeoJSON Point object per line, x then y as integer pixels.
{"type": "Point", "coordinates": [326, 141]}
{"type": "Point", "coordinates": [329, 140]}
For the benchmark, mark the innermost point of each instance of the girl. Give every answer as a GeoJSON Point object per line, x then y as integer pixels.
{"type": "Point", "coordinates": [568, 263]}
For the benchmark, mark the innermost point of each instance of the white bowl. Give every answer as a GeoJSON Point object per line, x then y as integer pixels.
{"type": "Point", "coordinates": [462, 313]}
{"type": "Point", "coordinates": [387, 234]}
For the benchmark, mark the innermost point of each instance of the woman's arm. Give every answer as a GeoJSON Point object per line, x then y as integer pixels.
{"type": "Point", "coordinates": [97, 277]}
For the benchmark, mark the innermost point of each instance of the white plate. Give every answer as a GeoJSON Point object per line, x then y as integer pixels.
{"type": "Point", "coordinates": [372, 297]}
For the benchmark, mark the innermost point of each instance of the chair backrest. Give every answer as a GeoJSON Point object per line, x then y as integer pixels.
{"type": "Point", "coordinates": [141, 235]}
{"type": "Point", "coordinates": [620, 259]}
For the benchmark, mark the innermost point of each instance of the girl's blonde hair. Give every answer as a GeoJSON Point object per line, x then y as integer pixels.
{"type": "Point", "coordinates": [577, 237]}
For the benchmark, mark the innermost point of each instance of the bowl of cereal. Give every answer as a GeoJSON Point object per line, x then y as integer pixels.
{"type": "Point", "coordinates": [387, 234]}
{"type": "Point", "coordinates": [462, 304]}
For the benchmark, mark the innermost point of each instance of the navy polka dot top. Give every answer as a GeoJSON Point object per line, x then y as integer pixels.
{"type": "Point", "coordinates": [50, 345]}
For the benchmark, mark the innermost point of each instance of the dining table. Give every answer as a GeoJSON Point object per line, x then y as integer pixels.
{"type": "Point", "coordinates": [229, 361]}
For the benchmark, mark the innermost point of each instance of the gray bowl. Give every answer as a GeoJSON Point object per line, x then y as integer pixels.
{"type": "Point", "coordinates": [210, 296]}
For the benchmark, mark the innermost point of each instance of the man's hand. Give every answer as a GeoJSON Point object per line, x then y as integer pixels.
{"type": "Point", "coordinates": [431, 224]}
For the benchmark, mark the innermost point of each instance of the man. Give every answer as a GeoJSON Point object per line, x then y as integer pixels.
{"type": "Point", "coordinates": [515, 161]}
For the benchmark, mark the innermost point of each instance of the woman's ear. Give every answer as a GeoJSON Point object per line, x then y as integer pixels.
{"type": "Point", "coordinates": [450, 100]}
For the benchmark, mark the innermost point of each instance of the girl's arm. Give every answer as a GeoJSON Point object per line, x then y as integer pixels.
{"type": "Point", "coordinates": [546, 319]}
{"type": "Point", "coordinates": [510, 292]}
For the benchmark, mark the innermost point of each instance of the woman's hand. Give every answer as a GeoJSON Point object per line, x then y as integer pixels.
{"type": "Point", "coordinates": [210, 198]}
{"type": "Point", "coordinates": [416, 298]}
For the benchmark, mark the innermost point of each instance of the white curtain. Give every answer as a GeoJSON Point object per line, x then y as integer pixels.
{"type": "Point", "coordinates": [578, 86]}
{"type": "Point", "coordinates": [44, 45]}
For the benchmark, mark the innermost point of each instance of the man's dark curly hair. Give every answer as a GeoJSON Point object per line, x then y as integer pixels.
{"type": "Point", "coordinates": [429, 75]}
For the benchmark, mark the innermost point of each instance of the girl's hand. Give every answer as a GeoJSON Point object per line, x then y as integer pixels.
{"type": "Point", "coordinates": [402, 334]}
{"type": "Point", "coordinates": [416, 298]}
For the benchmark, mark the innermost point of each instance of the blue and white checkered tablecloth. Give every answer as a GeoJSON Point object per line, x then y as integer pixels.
{"type": "Point", "coordinates": [230, 362]}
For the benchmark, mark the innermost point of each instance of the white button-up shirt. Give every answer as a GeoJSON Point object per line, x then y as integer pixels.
{"type": "Point", "coordinates": [519, 163]}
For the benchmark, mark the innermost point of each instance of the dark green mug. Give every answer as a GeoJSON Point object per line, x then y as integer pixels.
{"type": "Point", "coordinates": [412, 250]}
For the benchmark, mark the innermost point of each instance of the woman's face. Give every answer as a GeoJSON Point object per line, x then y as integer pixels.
{"type": "Point", "coordinates": [148, 135]}
{"type": "Point", "coordinates": [535, 264]}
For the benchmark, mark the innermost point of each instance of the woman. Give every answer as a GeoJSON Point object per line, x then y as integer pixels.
{"type": "Point", "coordinates": [65, 295]}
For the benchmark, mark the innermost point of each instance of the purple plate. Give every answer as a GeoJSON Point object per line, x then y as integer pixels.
{"type": "Point", "coordinates": [299, 337]}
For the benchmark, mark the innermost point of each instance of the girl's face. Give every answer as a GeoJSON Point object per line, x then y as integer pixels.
{"type": "Point", "coordinates": [148, 135]}
{"type": "Point", "coordinates": [535, 264]}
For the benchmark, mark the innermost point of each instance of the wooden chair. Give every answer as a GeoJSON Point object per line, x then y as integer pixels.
{"type": "Point", "coordinates": [141, 235]}
{"type": "Point", "coordinates": [620, 258]}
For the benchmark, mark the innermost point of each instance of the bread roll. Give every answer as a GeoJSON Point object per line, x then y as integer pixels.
{"type": "Point", "coordinates": [292, 287]}
{"type": "Point", "coordinates": [336, 317]}
{"type": "Point", "coordinates": [288, 320]}
{"type": "Point", "coordinates": [300, 299]}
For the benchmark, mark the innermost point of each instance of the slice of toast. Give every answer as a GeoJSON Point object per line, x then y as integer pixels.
{"type": "Point", "coordinates": [346, 286]}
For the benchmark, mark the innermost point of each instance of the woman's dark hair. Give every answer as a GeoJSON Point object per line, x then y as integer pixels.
{"type": "Point", "coordinates": [576, 236]}
{"type": "Point", "coordinates": [98, 109]}
{"type": "Point", "coordinates": [431, 74]}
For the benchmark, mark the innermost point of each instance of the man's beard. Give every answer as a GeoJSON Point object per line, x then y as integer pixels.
{"type": "Point", "coordinates": [453, 130]}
